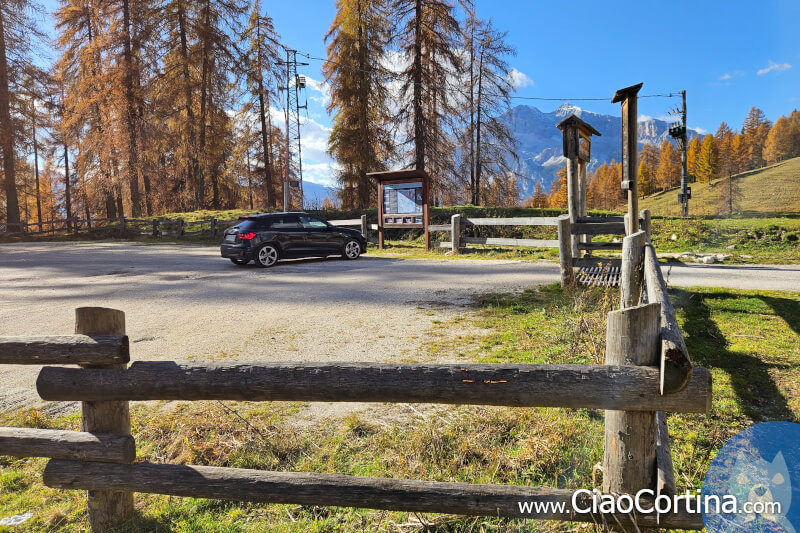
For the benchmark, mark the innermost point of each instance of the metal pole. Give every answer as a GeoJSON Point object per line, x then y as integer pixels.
{"type": "Point", "coordinates": [286, 163]}
{"type": "Point", "coordinates": [684, 173]}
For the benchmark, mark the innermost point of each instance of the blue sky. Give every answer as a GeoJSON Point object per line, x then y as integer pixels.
{"type": "Point", "coordinates": [727, 55]}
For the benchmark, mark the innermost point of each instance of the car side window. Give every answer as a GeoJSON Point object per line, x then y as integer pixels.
{"type": "Point", "coordinates": [286, 222]}
{"type": "Point", "coordinates": [310, 222]}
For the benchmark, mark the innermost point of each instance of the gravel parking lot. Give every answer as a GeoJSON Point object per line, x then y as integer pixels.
{"type": "Point", "coordinates": [185, 302]}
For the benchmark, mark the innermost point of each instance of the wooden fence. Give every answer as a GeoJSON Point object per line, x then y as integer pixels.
{"type": "Point", "coordinates": [647, 373]}
{"type": "Point", "coordinates": [155, 228]}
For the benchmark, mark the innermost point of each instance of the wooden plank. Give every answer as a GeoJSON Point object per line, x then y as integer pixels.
{"type": "Point", "coordinates": [440, 227]}
{"type": "Point", "coordinates": [71, 445]}
{"type": "Point", "coordinates": [402, 226]}
{"type": "Point", "coordinates": [632, 276]}
{"type": "Point", "coordinates": [599, 228]}
{"type": "Point", "coordinates": [107, 508]}
{"type": "Point", "coordinates": [497, 241]}
{"type": "Point", "coordinates": [445, 244]}
{"type": "Point", "coordinates": [64, 349]}
{"type": "Point", "coordinates": [600, 219]}
{"type": "Point", "coordinates": [600, 246]}
{"type": "Point", "coordinates": [676, 367]}
{"type": "Point", "coordinates": [516, 221]}
{"type": "Point", "coordinates": [305, 488]}
{"type": "Point", "coordinates": [629, 456]}
{"type": "Point", "coordinates": [573, 386]}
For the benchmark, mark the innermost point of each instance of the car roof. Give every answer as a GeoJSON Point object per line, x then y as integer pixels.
{"type": "Point", "coordinates": [268, 215]}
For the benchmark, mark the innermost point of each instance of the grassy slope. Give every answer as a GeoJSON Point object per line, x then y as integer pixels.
{"type": "Point", "coordinates": [749, 340]}
{"type": "Point", "coordinates": [773, 189]}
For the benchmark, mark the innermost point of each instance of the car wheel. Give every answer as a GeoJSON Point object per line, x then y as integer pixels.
{"type": "Point", "coordinates": [240, 262]}
{"type": "Point", "coordinates": [267, 256]}
{"type": "Point", "coordinates": [352, 249]}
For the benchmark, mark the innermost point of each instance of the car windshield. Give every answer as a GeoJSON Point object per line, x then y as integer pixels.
{"type": "Point", "coordinates": [310, 222]}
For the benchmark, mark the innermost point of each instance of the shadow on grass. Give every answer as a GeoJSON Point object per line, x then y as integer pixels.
{"type": "Point", "coordinates": [756, 390]}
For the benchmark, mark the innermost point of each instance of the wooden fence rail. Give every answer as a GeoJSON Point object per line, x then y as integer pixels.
{"type": "Point", "coordinates": [573, 386]}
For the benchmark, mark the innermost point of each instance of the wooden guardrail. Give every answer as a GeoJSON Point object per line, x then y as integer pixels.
{"type": "Point", "coordinates": [458, 223]}
{"type": "Point", "coordinates": [100, 458]}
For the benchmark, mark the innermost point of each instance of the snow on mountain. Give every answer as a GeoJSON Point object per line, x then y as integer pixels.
{"type": "Point", "coordinates": [540, 146]}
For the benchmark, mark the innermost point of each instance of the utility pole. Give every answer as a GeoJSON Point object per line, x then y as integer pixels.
{"type": "Point", "coordinates": [294, 159]}
{"type": "Point", "coordinates": [678, 131]}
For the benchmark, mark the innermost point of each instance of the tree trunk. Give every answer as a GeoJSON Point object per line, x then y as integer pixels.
{"type": "Point", "coordinates": [7, 135]}
{"type": "Point", "coordinates": [192, 166]}
{"type": "Point", "coordinates": [204, 90]}
{"type": "Point", "coordinates": [270, 189]}
{"type": "Point", "coordinates": [478, 162]}
{"type": "Point", "coordinates": [133, 148]}
{"type": "Point", "coordinates": [67, 189]}
{"type": "Point", "coordinates": [36, 171]}
{"type": "Point", "coordinates": [419, 121]}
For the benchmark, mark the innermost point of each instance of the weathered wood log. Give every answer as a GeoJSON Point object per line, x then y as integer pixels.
{"type": "Point", "coordinates": [595, 219]}
{"type": "Point", "coordinates": [64, 349]}
{"type": "Point", "coordinates": [596, 262]}
{"type": "Point", "coordinates": [70, 445]}
{"type": "Point", "coordinates": [629, 453]}
{"type": "Point", "coordinates": [440, 227]}
{"type": "Point", "coordinates": [573, 386]}
{"type": "Point", "coordinates": [676, 367]}
{"type": "Point", "coordinates": [644, 221]}
{"type": "Point", "coordinates": [665, 483]}
{"type": "Point", "coordinates": [107, 508]}
{"type": "Point", "coordinates": [565, 257]}
{"type": "Point", "coordinates": [600, 246]}
{"type": "Point", "coordinates": [304, 488]}
{"type": "Point", "coordinates": [500, 241]}
{"type": "Point", "coordinates": [455, 233]}
{"type": "Point", "coordinates": [598, 228]}
{"type": "Point", "coordinates": [515, 221]}
{"type": "Point", "coordinates": [632, 274]}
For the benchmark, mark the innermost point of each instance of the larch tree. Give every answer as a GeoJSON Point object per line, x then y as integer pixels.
{"type": "Point", "coordinates": [491, 146]}
{"type": "Point", "coordinates": [692, 152]}
{"type": "Point", "coordinates": [755, 130]}
{"type": "Point", "coordinates": [261, 61]}
{"type": "Point", "coordinates": [668, 174]}
{"type": "Point", "coordinates": [427, 37]}
{"type": "Point", "coordinates": [361, 131]}
{"type": "Point", "coordinates": [707, 164]}
{"type": "Point", "coordinates": [648, 164]}
{"type": "Point", "coordinates": [558, 197]}
{"type": "Point", "coordinates": [778, 145]}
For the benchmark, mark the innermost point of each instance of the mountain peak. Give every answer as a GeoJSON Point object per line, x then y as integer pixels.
{"type": "Point", "coordinates": [566, 109]}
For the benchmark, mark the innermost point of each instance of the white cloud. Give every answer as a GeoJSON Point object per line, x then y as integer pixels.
{"type": "Point", "coordinates": [321, 88]}
{"type": "Point", "coordinates": [519, 80]}
{"type": "Point", "coordinates": [779, 67]}
{"type": "Point", "coordinates": [318, 165]}
{"type": "Point", "coordinates": [699, 130]}
{"type": "Point", "coordinates": [725, 77]}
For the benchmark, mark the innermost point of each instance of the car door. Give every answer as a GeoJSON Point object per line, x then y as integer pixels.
{"type": "Point", "coordinates": [321, 237]}
{"type": "Point", "coordinates": [288, 233]}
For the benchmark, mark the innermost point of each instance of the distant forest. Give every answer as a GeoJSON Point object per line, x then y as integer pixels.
{"type": "Point", "coordinates": [155, 106]}
{"type": "Point", "coordinates": [708, 158]}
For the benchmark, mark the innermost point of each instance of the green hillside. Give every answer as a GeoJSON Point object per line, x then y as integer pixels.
{"type": "Point", "coordinates": [773, 189]}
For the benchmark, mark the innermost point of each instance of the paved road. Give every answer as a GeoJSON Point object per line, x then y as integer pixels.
{"type": "Point", "coordinates": [184, 302]}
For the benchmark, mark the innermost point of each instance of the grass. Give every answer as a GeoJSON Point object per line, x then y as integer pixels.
{"type": "Point", "coordinates": [771, 189]}
{"type": "Point", "coordinates": [750, 340]}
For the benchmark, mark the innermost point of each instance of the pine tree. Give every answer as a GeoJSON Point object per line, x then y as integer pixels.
{"type": "Point", "coordinates": [360, 137]}
{"type": "Point", "coordinates": [707, 164]}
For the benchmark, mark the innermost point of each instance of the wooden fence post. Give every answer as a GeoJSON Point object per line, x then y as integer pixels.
{"type": "Point", "coordinates": [181, 229]}
{"type": "Point", "coordinates": [122, 224]}
{"type": "Point", "coordinates": [364, 227]}
{"type": "Point", "coordinates": [631, 280]}
{"type": "Point", "coordinates": [629, 453]}
{"type": "Point", "coordinates": [107, 509]}
{"type": "Point", "coordinates": [155, 228]}
{"type": "Point", "coordinates": [645, 216]}
{"type": "Point", "coordinates": [565, 251]}
{"type": "Point", "coordinates": [213, 226]}
{"type": "Point", "coordinates": [455, 233]}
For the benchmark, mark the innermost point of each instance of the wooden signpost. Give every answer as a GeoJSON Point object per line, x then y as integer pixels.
{"type": "Point", "coordinates": [403, 201]}
{"type": "Point", "coordinates": [577, 139]}
{"type": "Point", "coordinates": [630, 183]}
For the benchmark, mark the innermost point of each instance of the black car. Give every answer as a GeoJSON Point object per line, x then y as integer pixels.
{"type": "Point", "coordinates": [272, 236]}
